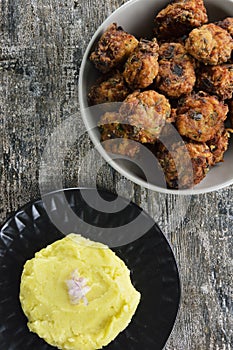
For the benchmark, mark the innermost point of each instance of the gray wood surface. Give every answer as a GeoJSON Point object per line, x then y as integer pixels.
{"type": "Point", "coordinates": [41, 47]}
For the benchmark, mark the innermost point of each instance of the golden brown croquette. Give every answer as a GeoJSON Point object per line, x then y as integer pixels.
{"type": "Point", "coordinates": [216, 80]}
{"type": "Point", "coordinates": [147, 112]}
{"type": "Point", "coordinates": [113, 48]}
{"type": "Point", "coordinates": [176, 75]}
{"type": "Point", "coordinates": [210, 44]}
{"type": "Point", "coordinates": [227, 24]}
{"type": "Point", "coordinates": [111, 88]}
{"type": "Point", "coordinates": [179, 17]}
{"type": "Point", "coordinates": [200, 116]}
{"type": "Point", "coordinates": [219, 144]}
{"type": "Point", "coordinates": [142, 67]}
{"type": "Point", "coordinates": [182, 169]}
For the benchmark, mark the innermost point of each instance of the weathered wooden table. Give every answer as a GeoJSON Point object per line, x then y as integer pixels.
{"type": "Point", "coordinates": [42, 43]}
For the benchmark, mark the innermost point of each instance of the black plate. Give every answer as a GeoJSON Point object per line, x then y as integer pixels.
{"type": "Point", "coordinates": [150, 259]}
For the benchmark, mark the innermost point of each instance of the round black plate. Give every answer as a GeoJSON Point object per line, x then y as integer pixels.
{"type": "Point", "coordinates": [150, 259]}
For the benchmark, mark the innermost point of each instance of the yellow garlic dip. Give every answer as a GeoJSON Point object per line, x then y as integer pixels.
{"type": "Point", "coordinates": [77, 294]}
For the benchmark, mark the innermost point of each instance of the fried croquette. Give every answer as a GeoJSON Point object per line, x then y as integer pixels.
{"type": "Point", "coordinates": [113, 48]}
{"type": "Point", "coordinates": [112, 126]}
{"type": "Point", "coordinates": [147, 113]}
{"type": "Point", "coordinates": [219, 144]}
{"type": "Point", "coordinates": [142, 66]}
{"type": "Point", "coordinates": [176, 75]}
{"type": "Point", "coordinates": [210, 44]}
{"type": "Point", "coordinates": [201, 158]}
{"type": "Point", "coordinates": [184, 165]}
{"type": "Point", "coordinates": [227, 24]}
{"type": "Point", "coordinates": [200, 116]}
{"type": "Point", "coordinates": [116, 134]}
{"type": "Point", "coordinates": [124, 147]}
{"type": "Point", "coordinates": [216, 80]}
{"type": "Point", "coordinates": [179, 17]}
{"type": "Point", "coordinates": [111, 89]}
{"type": "Point", "coordinates": [230, 114]}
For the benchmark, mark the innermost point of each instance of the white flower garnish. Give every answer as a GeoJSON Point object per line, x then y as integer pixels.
{"type": "Point", "coordinates": [77, 288]}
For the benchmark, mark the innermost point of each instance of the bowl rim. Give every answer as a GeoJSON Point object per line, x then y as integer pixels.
{"type": "Point", "coordinates": [135, 179]}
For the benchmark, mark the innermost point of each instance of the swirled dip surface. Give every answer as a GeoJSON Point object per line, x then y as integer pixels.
{"type": "Point", "coordinates": [77, 294]}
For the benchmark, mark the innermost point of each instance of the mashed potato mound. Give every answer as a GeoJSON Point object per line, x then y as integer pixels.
{"type": "Point", "coordinates": [77, 294]}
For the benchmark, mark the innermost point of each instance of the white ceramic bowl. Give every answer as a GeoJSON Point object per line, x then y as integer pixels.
{"type": "Point", "coordinates": [136, 17]}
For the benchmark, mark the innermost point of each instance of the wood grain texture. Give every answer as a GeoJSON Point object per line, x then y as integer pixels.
{"type": "Point", "coordinates": [41, 47]}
